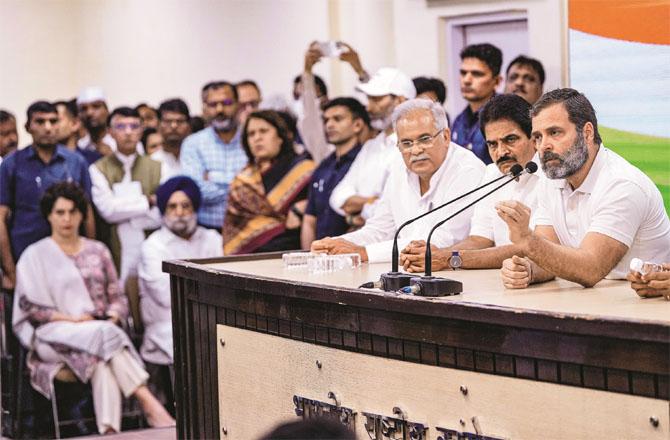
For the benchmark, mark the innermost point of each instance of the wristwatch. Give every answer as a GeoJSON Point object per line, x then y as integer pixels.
{"type": "Point", "coordinates": [455, 261]}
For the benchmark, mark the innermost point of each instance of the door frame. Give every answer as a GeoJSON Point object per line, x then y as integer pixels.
{"type": "Point", "coordinates": [451, 36]}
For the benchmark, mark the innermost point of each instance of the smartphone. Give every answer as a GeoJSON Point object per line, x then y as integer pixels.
{"type": "Point", "coordinates": [330, 49]}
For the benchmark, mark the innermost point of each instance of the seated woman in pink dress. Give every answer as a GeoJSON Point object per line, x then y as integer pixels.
{"type": "Point", "coordinates": [67, 310]}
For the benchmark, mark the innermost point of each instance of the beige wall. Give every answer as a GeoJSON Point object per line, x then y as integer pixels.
{"type": "Point", "coordinates": [420, 46]}
{"type": "Point", "coordinates": [149, 50]}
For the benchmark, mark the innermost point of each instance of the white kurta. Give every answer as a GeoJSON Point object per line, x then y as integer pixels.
{"type": "Point", "coordinates": [155, 285]}
{"type": "Point", "coordinates": [486, 222]}
{"type": "Point", "coordinates": [170, 165]}
{"type": "Point", "coordinates": [125, 206]}
{"type": "Point", "coordinates": [368, 173]}
{"type": "Point", "coordinates": [460, 172]}
{"type": "Point", "coordinates": [65, 291]}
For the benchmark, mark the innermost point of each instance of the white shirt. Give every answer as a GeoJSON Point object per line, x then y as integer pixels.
{"type": "Point", "coordinates": [485, 222]}
{"type": "Point", "coordinates": [170, 165]}
{"type": "Point", "coordinates": [310, 123]}
{"type": "Point", "coordinates": [616, 199]}
{"type": "Point", "coordinates": [368, 173]}
{"type": "Point", "coordinates": [155, 284]}
{"type": "Point", "coordinates": [125, 206]}
{"type": "Point", "coordinates": [460, 172]}
{"type": "Point", "coordinates": [127, 162]}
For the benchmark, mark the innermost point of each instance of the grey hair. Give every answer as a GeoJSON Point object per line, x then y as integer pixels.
{"type": "Point", "coordinates": [579, 108]}
{"type": "Point", "coordinates": [412, 105]}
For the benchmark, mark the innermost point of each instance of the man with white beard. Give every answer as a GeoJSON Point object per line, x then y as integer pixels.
{"type": "Point", "coordinates": [180, 237]}
{"type": "Point", "coordinates": [596, 212]}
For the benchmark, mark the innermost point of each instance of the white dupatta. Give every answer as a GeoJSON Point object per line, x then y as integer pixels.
{"type": "Point", "coordinates": [46, 276]}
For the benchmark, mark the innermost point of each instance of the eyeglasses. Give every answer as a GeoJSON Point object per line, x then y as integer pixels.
{"type": "Point", "coordinates": [215, 104]}
{"type": "Point", "coordinates": [424, 142]}
{"type": "Point", "coordinates": [122, 126]}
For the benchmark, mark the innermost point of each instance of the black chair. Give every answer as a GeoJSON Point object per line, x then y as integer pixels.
{"type": "Point", "coordinates": [8, 365]}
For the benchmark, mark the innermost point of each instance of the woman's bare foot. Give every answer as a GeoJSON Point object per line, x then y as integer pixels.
{"type": "Point", "coordinates": [157, 416]}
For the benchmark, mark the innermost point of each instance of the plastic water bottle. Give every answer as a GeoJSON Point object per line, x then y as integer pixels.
{"type": "Point", "coordinates": [296, 260]}
{"type": "Point", "coordinates": [645, 267]}
{"type": "Point", "coordinates": [320, 263]}
{"type": "Point", "coordinates": [323, 263]}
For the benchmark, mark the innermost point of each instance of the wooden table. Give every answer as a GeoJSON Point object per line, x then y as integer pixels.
{"type": "Point", "coordinates": [256, 344]}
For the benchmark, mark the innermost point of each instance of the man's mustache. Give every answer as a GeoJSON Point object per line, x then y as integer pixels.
{"type": "Point", "coordinates": [548, 155]}
{"type": "Point", "coordinates": [422, 156]}
{"type": "Point", "coordinates": [223, 116]}
{"type": "Point", "coordinates": [505, 159]}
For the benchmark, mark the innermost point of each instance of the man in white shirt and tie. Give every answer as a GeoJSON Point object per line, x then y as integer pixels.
{"type": "Point", "coordinates": [506, 126]}
{"type": "Point", "coordinates": [428, 172]}
{"type": "Point", "coordinates": [596, 212]}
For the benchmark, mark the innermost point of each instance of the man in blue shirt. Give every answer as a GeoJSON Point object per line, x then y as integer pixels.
{"type": "Point", "coordinates": [480, 75]}
{"type": "Point", "coordinates": [344, 119]}
{"type": "Point", "coordinates": [24, 176]}
{"type": "Point", "coordinates": [213, 156]}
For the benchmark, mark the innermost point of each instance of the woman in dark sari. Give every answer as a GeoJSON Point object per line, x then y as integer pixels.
{"type": "Point", "coordinates": [267, 198]}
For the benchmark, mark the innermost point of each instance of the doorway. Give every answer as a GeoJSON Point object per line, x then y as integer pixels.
{"type": "Point", "coordinates": [506, 30]}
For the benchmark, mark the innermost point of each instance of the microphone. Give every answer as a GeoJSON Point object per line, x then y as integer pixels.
{"type": "Point", "coordinates": [530, 167]}
{"type": "Point", "coordinates": [429, 285]}
{"type": "Point", "coordinates": [394, 280]}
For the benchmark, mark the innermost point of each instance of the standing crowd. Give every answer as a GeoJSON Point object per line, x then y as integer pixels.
{"type": "Point", "coordinates": [90, 209]}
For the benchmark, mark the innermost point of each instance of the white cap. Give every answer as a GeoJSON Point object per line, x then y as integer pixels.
{"type": "Point", "coordinates": [90, 94]}
{"type": "Point", "coordinates": [389, 81]}
{"type": "Point", "coordinates": [275, 102]}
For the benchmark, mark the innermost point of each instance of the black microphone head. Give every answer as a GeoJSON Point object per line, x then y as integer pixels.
{"type": "Point", "coordinates": [516, 170]}
{"type": "Point", "coordinates": [531, 167]}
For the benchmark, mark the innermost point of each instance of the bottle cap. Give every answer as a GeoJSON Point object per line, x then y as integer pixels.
{"type": "Point", "coordinates": [636, 265]}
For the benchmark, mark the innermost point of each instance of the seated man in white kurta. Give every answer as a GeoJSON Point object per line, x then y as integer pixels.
{"type": "Point", "coordinates": [506, 126]}
{"type": "Point", "coordinates": [180, 237]}
{"type": "Point", "coordinates": [430, 171]}
{"type": "Point", "coordinates": [596, 211]}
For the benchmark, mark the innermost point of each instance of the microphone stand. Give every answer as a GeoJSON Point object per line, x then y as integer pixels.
{"type": "Point", "coordinates": [428, 285]}
{"type": "Point", "coordinates": [395, 280]}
